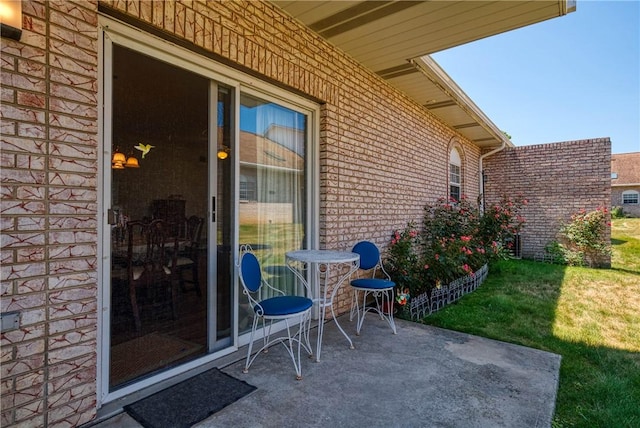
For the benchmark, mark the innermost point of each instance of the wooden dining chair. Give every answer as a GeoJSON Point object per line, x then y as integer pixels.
{"type": "Point", "coordinates": [151, 266]}
{"type": "Point", "coordinates": [188, 256]}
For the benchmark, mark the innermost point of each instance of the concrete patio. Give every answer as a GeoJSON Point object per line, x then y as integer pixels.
{"type": "Point", "coordinates": [421, 377]}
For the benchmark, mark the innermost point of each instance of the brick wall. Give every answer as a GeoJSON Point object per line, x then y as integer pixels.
{"type": "Point", "coordinates": [49, 236]}
{"type": "Point", "coordinates": [557, 179]}
{"type": "Point", "coordinates": [382, 158]}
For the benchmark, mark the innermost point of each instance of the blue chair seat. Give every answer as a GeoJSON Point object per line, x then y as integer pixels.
{"type": "Point", "coordinates": [284, 305]}
{"type": "Point", "coordinates": [372, 283]}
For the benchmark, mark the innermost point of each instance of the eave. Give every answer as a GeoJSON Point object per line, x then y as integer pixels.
{"type": "Point", "coordinates": [394, 39]}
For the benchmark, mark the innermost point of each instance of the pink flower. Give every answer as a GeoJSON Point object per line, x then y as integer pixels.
{"type": "Point", "coordinates": [426, 267]}
{"type": "Point", "coordinates": [437, 256]}
{"type": "Point", "coordinates": [465, 238]}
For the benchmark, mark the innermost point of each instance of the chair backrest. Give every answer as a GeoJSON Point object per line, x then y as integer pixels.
{"type": "Point", "coordinates": [369, 254]}
{"type": "Point", "coordinates": [151, 245]}
{"type": "Point", "coordinates": [192, 233]}
{"type": "Point", "coordinates": [194, 229]}
{"type": "Point", "coordinates": [250, 272]}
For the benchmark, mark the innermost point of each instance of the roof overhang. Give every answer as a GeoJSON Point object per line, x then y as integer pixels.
{"type": "Point", "coordinates": [626, 185]}
{"type": "Point", "coordinates": [394, 39]}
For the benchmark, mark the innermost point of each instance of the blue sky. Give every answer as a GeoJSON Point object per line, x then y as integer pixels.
{"type": "Point", "coordinates": [568, 78]}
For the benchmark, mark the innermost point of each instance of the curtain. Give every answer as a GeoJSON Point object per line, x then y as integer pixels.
{"type": "Point", "coordinates": [272, 185]}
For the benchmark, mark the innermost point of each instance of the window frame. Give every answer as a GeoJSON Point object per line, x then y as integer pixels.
{"type": "Point", "coordinates": [455, 173]}
{"type": "Point", "coordinates": [633, 194]}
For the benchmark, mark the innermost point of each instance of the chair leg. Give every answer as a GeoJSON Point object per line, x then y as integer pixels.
{"type": "Point", "coordinates": [389, 317]}
{"type": "Point", "coordinates": [194, 276]}
{"type": "Point", "coordinates": [295, 358]}
{"type": "Point", "coordinates": [250, 347]}
{"type": "Point", "coordinates": [383, 299]}
{"type": "Point", "coordinates": [354, 305]}
{"type": "Point", "coordinates": [193, 280]}
{"type": "Point", "coordinates": [134, 307]}
{"type": "Point", "coordinates": [361, 312]}
{"type": "Point", "coordinates": [307, 332]}
{"type": "Point", "coordinates": [174, 299]}
{"type": "Point", "coordinates": [304, 325]}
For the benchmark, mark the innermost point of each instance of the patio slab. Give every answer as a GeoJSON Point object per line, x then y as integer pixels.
{"type": "Point", "coordinates": [423, 376]}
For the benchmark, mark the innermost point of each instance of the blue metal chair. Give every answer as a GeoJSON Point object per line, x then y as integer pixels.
{"type": "Point", "coordinates": [381, 289]}
{"type": "Point", "coordinates": [281, 307]}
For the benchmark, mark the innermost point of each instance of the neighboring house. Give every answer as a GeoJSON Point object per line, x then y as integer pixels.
{"type": "Point", "coordinates": [625, 183]}
{"type": "Point", "coordinates": [329, 115]}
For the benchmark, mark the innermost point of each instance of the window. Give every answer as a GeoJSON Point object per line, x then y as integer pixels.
{"type": "Point", "coordinates": [247, 188]}
{"type": "Point", "coordinates": [630, 197]}
{"type": "Point", "coordinates": [455, 175]}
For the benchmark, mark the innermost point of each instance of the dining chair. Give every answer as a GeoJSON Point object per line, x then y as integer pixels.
{"type": "Point", "coordinates": [151, 266]}
{"type": "Point", "coordinates": [189, 254]}
{"type": "Point", "coordinates": [369, 284]}
{"type": "Point", "coordinates": [290, 309]}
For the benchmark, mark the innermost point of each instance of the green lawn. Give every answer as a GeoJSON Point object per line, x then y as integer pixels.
{"type": "Point", "coordinates": [589, 316]}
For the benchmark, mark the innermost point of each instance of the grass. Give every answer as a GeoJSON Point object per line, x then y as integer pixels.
{"type": "Point", "coordinates": [591, 317]}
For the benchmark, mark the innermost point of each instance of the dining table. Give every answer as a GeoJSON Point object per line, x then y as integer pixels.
{"type": "Point", "coordinates": [323, 272]}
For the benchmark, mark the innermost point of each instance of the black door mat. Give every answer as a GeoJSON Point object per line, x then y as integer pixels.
{"type": "Point", "coordinates": [189, 402]}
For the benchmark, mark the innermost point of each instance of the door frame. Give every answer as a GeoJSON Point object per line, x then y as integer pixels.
{"type": "Point", "coordinates": [114, 32]}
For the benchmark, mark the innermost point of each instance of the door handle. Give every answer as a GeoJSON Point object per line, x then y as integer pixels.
{"type": "Point", "coordinates": [112, 217]}
{"type": "Point", "coordinates": [213, 209]}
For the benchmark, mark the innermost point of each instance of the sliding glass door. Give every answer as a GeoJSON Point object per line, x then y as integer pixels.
{"type": "Point", "coordinates": [171, 151]}
{"type": "Point", "coordinates": [196, 163]}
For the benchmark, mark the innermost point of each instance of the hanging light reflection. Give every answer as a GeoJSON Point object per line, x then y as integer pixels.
{"type": "Point", "coordinates": [223, 152]}
{"type": "Point", "coordinates": [118, 160]}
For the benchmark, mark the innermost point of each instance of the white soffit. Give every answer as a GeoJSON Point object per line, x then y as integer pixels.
{"type": "Point", "coordinates": [394, 39]}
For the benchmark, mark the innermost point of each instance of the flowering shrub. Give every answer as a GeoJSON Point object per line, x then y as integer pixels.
{"type": "Point", "coordinates": [455, 241]}
{"type": "Point", "coordinates": [584, 239]}
{"type": "Point", "coordinates": [401, 261]}
{"type": "Point", "coordinates": [500, 223]}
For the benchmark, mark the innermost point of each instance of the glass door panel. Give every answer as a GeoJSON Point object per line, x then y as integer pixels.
{"type": "Point", "coordinates": [159, 191]}
{"type": "Point", "coordinates": [223, 218]}
{"type": "Point", "coordinates": [272, 208]}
